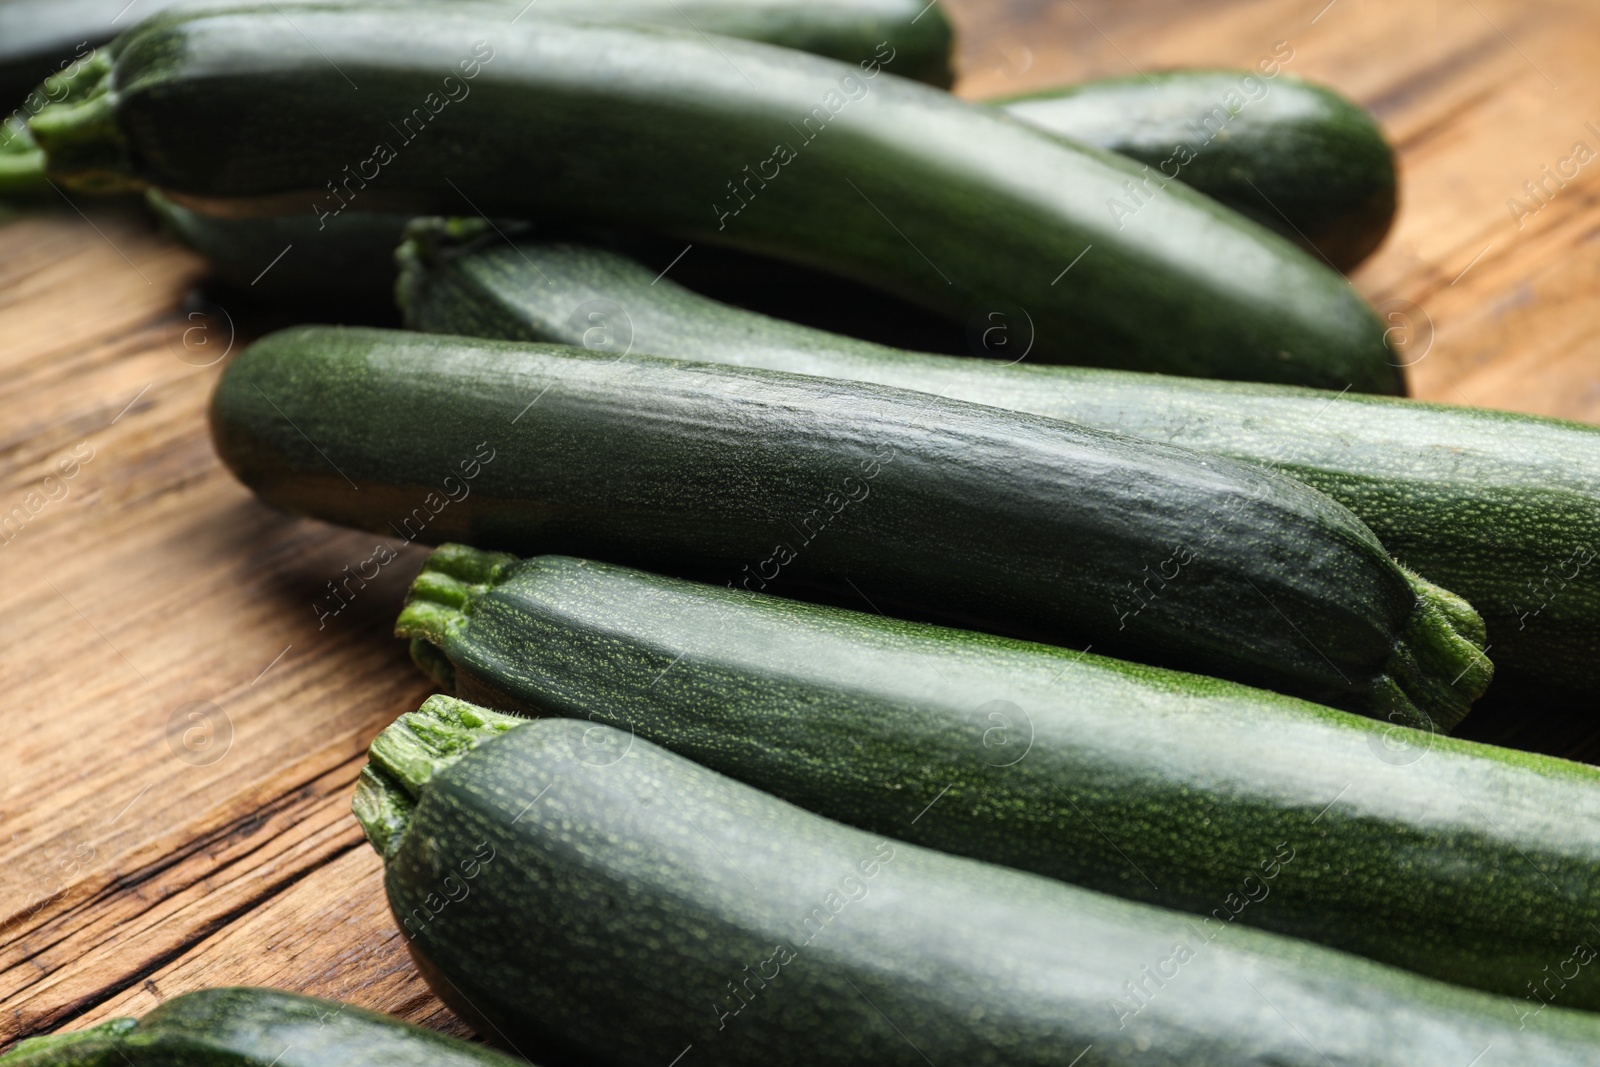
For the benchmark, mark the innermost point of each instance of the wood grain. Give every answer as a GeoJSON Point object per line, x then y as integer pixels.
{"type": "Point", "coordinates": [148, 853]}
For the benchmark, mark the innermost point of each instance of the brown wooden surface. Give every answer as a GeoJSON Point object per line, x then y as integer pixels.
{"type": "Point", "coordinates": [136, 868]}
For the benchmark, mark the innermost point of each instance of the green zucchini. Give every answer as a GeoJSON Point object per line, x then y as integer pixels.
{"type": "Point", "coordinates": [1316, 156]}
{"type": "Point", "coordinates": [758, 478]}
{"type": "Point", "coordinates": [350, 260]}
{"type": "Point", "coordinates": [951, 205]}
{"type": "Point", "coordinates": [39, 37]}
{"type": "Point", "coordinates": [1295, 157]}
{"type": "Point", "coordinates": [1057, 762]}
{"type": "Point", "coordinates": [641, 907]}
{"type": "Point", "coordinates": [1503, 509]}
{"type": "Point", "coordinates": [250, 1027]}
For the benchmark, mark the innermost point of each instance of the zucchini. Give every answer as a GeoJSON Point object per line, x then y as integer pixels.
{"type": "Point", "coordinates": [895, 184]}
{"type": "Point", "coordinates": [348, 261]}
{"type": "Point", "coordinates": [641, 907]}
{"type": "Point", "coordinates": [39, 37]}
{"type": "Point", "coordinates": [1053, 761]}
{"type": "Point", "coordinates": [1293, 156]}
{"type": "Point", "coordinates": [1011, 521]}
{"type": "Point", "coordinates": [249, 1027]}
{"type": "Point", "coordinates": [1503, 509]}
{"type": "Point", "coordinates": [1317, 157]}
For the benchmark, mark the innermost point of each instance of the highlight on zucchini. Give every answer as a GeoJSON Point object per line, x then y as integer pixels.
{"type": "Point", "coordinates": [1499, 507]}
{"type": "Point", "coordinates": [844, 167]}
{"type": "Point", "coordinates": [992, 518]}
{"type": "Point", "coordinates": [40, 37]}
{"type": "Point", "coordinates": [639, 904]}
{"type": "Point", "coordinates": [1051, 760]}
{"type": "Point", "coordinates": [1296, 157]}
{"type": "Point", "coordinates": [1259, 145]}
{"type": "Point", "coordinates": [240, 1026]}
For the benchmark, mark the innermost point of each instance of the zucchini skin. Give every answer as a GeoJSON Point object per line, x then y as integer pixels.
{"type": "Point", "coordinates": [349, 261]}
{"type": "Point", "coordinates": [37, 35]}
{"type": "Point", "coordinates": [1501, 508]}
{"type": "Point", "coordinates": [1013, 522]}
{"type": "Point", "coordinates": [950, 205]}
{"type": "Point", "coordinates": [1049, 760]}
{"type": "Point", "coordinates": [1295, 157]}
{"type": "Point", "coordinates": [628, 904]}
{"type": "Point", "coordinates": [238, 1026]}
{"type": "Point", "coordinates": [1317, 156]}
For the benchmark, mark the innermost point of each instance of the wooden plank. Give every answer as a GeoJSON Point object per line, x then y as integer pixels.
{"type": "Point", "coordinates": [148, 587]}
{"type": "Point", "coordinates": [329, 935]}
{"type": "Point", "coordinates": [1478, 97]}
{"type": "Point", "coordinates": [187, 727]}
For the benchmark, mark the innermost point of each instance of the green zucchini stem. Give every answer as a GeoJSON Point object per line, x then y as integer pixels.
{"type": "Point", "coordinates": [79, 131]}
{"type": "Point", "coordinates": [21, 161]}
{"type": "Point", "coordinates": [435, 239]}
{"type": "Point", "coordinates": [383, 809]}
{"type": "Point", "coordinates": [439, 600]}
{"type": "Point", "coordinates": [1438, 667]}
{"type": "Point", "coordinates": [428, 244]}
{"type": "Point", "coordinates": [404, 758]}
{"type": "Point", "coordinates": [431, 660]}
{"type": "Point", "coordinates": [98, 1046]}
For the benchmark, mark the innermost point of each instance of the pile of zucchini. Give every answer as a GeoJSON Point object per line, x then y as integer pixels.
{"type": "Point", "coordinates": [810, 700]}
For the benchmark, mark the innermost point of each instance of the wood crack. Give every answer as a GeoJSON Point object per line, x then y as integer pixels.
{"type": "Point", "coordinates": [138, 921]}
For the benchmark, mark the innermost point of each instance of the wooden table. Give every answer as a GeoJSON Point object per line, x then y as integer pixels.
{"type": "Point", "coordinates": [183, 733]}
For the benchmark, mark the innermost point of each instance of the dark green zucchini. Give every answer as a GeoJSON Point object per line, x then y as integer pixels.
{"type": "Point", "coordinates": [349, 260]}
{"type": "Point", "coordinates": [249, 1027]}
{"type": "Point", "coordinates": [843, 167]}
{"type": "Point", "coordinates": [757, 478]}
{"type": "Point", "coordinates": [1295, 157]}
{"type": "Point", "coordinates": [39, 37]}
{"type": "Point", "coordinates": [1318, 157]}
{"type": "Point", "coordinates": [1501, 508]}
{"type": "Point", "coordinates": [641, 907]}
{"type": "Point", "coordinates": [1467, 862]}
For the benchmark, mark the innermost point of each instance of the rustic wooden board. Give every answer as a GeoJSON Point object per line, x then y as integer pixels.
{"type": "Point", "coordinates": [148, 853]}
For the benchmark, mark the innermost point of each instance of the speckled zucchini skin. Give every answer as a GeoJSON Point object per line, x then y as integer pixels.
{"type": "Point", "coordinates": [1501, 508]}
{"type": "Point", "coordinates": [1464, 862]}
{"type": "Point", "coordinates": [248, 1027]}
{"type": "Point", "coordinates": [639, 907]}
{"type": "Point", "coordinates": [37, 36]}
{"type": "Point", "coordinates": [1297, 158]}
{"type": "Point", "coordinates": [949, 204]}
{"type": "Point", "coordinates": [760, 479]}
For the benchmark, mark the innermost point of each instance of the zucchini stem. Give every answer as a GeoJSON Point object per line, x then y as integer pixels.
{"type": "Point", "coordinates": [79, 133]}
{"type": "Point", "coordinates": [21, 161]}
{"type": "Point", "coordinates": [428, 245]}
{"type": "Point", "coordinates": [439, 600]}
{"type": "Point", "coordinates": [1438, 667]}
{"type": "Point", "coordinates": [403, 759]}
{"type": "Point", "coordinates": [435, 239]}
{"type": "Point", "coordinates": [383, 809]}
